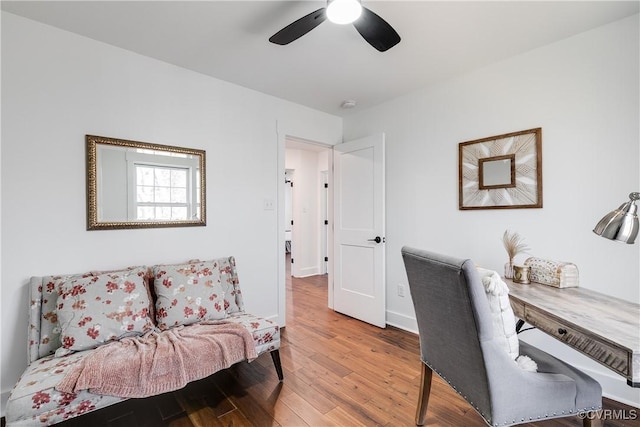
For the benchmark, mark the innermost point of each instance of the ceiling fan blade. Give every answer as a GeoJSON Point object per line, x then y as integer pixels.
{"type": "Point", "coordinates": [299, 28]}
{"type": "Point", "coordinates": [376, 31]}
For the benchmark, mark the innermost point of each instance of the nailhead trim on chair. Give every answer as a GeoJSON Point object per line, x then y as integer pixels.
{"type": "Point", "coordinates": [593, 408]}
{"type": "Point", "coordinates": [540, 417]}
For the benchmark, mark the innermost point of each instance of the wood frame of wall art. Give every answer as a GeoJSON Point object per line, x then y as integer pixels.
{"type": "Point", "coordinates": [501, 172]}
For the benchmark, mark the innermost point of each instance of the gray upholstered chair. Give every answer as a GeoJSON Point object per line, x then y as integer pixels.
{"type": "Point", "coordinates": [456, 341]}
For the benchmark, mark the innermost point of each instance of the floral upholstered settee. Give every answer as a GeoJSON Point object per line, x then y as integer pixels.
{"type": "Point", "coordinates": [75, 317]}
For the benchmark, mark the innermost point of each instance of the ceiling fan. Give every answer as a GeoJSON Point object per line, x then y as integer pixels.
{"type": "Point", "coordinates": [375, 30]}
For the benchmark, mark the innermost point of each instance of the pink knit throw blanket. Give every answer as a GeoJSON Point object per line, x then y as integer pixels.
{"type": "Point", "coordinates": [160, 362]}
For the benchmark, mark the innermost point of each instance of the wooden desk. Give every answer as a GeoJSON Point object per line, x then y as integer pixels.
{"type": "Point", "coordinates": [605, 328]}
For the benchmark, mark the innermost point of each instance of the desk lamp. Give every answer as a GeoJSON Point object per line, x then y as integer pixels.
{"type": "Point", "coordinates": [622, 223]}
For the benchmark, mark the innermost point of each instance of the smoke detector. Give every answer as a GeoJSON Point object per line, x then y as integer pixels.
{"type": "Point", "coordinates": [348, 104]}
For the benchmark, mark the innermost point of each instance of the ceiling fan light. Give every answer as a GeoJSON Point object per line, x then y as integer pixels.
{"type": "Point", "coordinates": [344, 11]}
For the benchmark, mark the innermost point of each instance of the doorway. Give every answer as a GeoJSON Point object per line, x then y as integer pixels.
{"type": "Point", "coordinates": [359, 159]}
{"type": "Point", "coordinates": [306, 218]}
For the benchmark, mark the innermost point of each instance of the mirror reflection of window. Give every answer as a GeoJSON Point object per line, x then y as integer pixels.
{"type": "Point", "coordinates": [161, 193]}
{"type": "Point", "coordinates": [164, 188]}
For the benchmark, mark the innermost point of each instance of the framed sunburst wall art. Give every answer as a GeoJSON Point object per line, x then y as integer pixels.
{"type": "Point", "coordinates": [501, 172]}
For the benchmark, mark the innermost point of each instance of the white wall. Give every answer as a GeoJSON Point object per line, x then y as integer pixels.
{"type": "Point", "coordinates": [57, 87]}
{"type": "Point", "coordinates": [584, 93]}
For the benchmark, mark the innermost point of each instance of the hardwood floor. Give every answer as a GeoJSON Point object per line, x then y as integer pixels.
{"type": "Point", "coordinates": [337, 372]}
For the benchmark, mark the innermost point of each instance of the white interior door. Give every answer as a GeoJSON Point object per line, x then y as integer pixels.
{"type": "Point", "coordinates": [359, 234]}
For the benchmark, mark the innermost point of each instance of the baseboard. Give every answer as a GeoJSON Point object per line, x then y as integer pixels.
{"type": "Point", "coordinates": [402, 321]}
{"type": "Point", "coordinates": [614, 387]}
{"type": "Point", "coordinates": [308, 272]}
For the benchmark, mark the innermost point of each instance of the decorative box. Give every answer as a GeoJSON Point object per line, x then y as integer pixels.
{"type": "Point", "coordinates": [553, 273]}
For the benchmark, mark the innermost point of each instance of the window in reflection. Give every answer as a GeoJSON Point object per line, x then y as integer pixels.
{"type": "Point", "coordinates": [162, 193]}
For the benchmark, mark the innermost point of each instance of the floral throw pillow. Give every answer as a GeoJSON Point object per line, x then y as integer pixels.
{"type": "Point", "coordinates": [148, 274]}
{"type": "Point", "coordinates": [188, 293]}
{"type": "Point", "coordinates": [230, 284]}
{"type": "Point", "coordinates": [94, 310]}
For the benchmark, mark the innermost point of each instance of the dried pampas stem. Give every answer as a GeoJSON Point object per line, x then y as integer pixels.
{"type": "Point", "coordinates": [514, 244]}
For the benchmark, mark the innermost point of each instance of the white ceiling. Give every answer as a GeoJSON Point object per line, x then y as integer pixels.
{"type": "Point", "coordinates": [229, 40]}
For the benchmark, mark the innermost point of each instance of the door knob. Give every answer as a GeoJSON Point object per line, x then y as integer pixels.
{"type": "Point", "coordinates": [377, 239]}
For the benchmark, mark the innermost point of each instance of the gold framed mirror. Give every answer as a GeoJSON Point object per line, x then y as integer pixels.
{"type": "Point", "coordinates": [132, 184]}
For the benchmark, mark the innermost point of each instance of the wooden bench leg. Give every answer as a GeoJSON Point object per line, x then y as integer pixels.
{"type": "Point", "coordinates": [275, 356]}
{"type": "Point", "coordinates": [423, 398]}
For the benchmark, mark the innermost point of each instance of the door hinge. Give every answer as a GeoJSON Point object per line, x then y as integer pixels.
{"type": "Point", "coordinates": [291, 222]}
{"type": "Point", "coordinates": [326, 259]}
{"type": "Point", "coordinates": [291, 260]}
{"type": "Point", "coordinates": [326, 185]}
{"type": "Point", "coordinates": [326, 222]}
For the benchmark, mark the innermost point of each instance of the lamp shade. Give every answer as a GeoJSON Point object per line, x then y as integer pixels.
{"type": "Point", "coordinates": [622, 223]}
